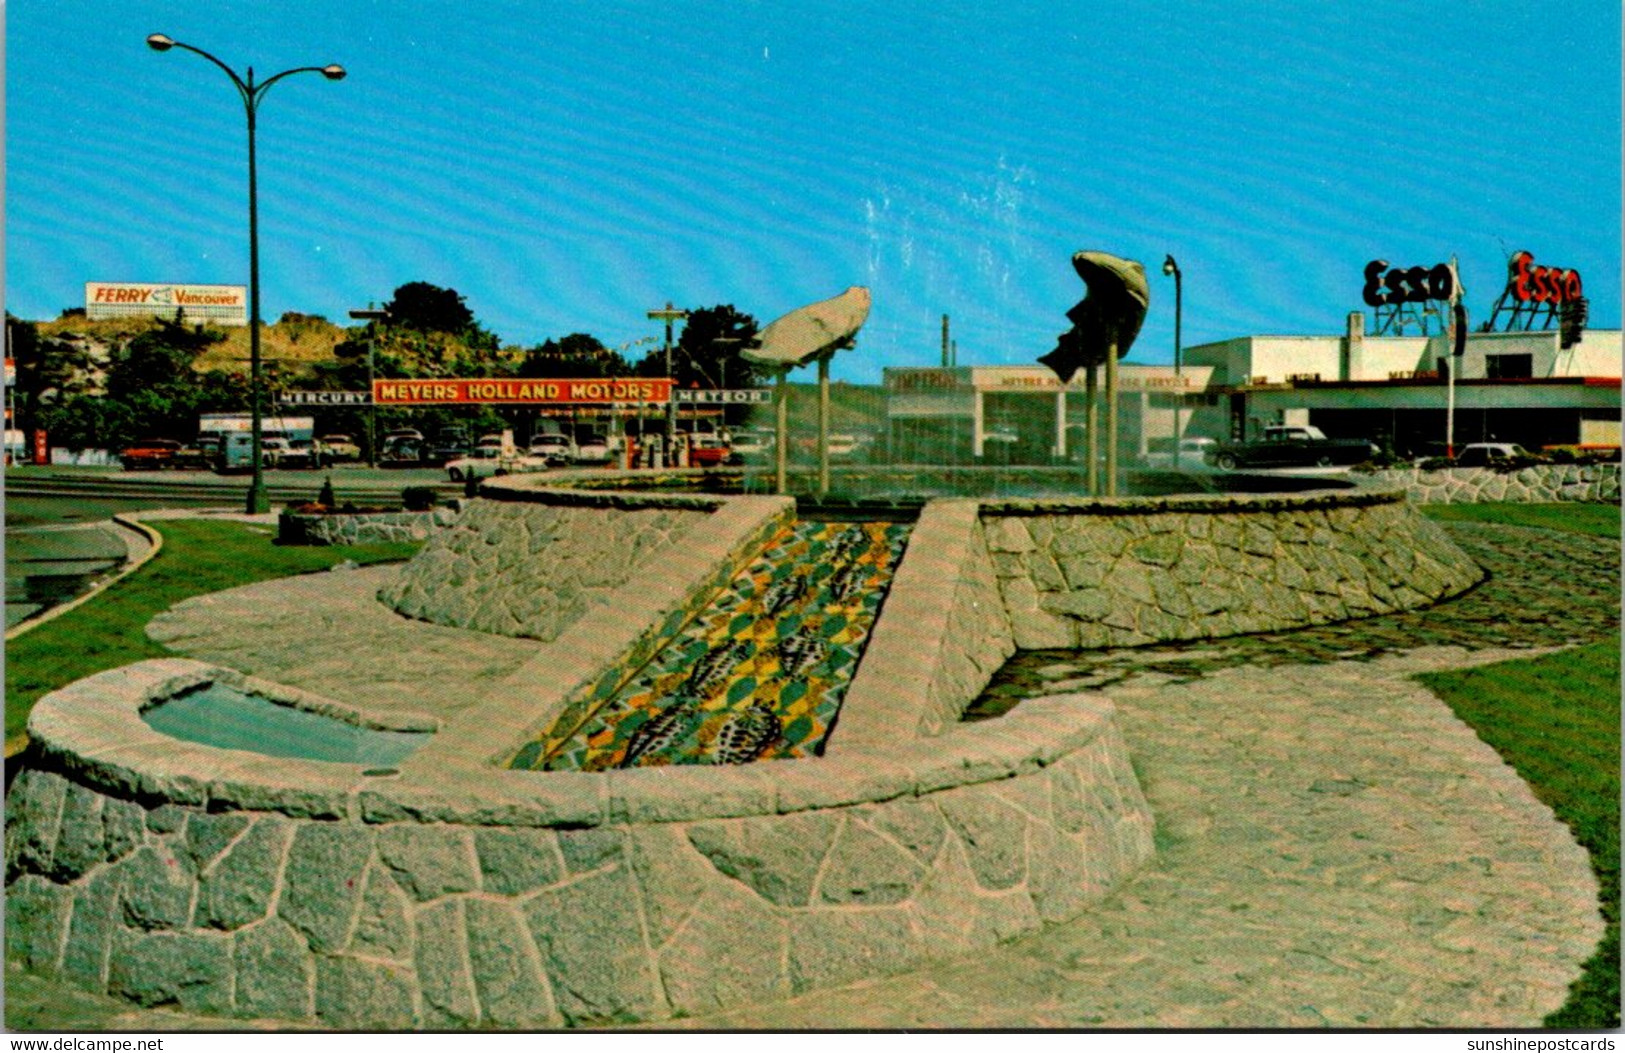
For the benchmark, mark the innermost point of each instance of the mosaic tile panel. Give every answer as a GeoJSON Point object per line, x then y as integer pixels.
{"type": "Point", "coordinates": [761, 673]}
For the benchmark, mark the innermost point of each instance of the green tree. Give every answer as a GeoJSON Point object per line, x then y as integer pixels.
{"type": "Point", "coordinates": [429, 309]}
{"type": "Point", "coordinates": [576, 355]}
{"type": "Point", "coordinates": [707, 355]}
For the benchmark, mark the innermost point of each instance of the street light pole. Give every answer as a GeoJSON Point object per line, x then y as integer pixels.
{"type": "Point", "coordinates": [1170, 267]}
{"type": "Point", "coordinates": [251, 93]}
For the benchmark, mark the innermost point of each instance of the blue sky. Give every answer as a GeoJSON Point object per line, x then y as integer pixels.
{"type": "Point", "coordinates": [568, 166]}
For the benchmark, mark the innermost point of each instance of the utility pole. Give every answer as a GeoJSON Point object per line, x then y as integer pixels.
{"type": "Point", "coordinates": [947, 358]}
{"type": "Point", "coordinates": [371, 317]}
{"type": "Point", "coordinates": [669, 315]}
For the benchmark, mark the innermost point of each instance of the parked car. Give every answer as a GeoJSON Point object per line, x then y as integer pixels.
{"type": "Point", "coordinates": [150, 453]}
{"type": "Point", "coordinates": [708, 451]}
{"type": "Point", "coordinates": [401, 449]}
{"type": "Point", "coordinates": [198, 455]}
{"type": "Point", "coordinates": [1483, 454]}
{"type": "Point", "coordinates": [304, 453]}
{"type": "Point", "coordinates": [488, 460]}
{"type": "Point", "coordinates": [555, 449]}
{"type": "Point", "coordinates": [594, 449]}
{"type": "Point", "coordinates": [275, 451]}
{"type": "Point", "coordinates": [1192, 452]}
{"type": "Point", "coordinates": [1290, 446]}
{"type": "Point", "coordinates": [752, 445]}
{"type": "Point", "coordinates": [341, 448]}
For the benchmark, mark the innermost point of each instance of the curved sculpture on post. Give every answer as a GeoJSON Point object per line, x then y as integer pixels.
{"type": "Point", "coordinates": [816, 330]}
{"type": "Point", "coordinates": [810, 333]}
{"type": "Point", "coordinates": [1104, 325]}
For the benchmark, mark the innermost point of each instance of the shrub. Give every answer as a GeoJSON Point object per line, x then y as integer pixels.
{"type": "Point", "coordinates": [419, 498]}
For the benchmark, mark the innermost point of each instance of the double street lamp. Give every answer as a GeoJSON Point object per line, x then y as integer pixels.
{"type": "Point", "coordinates": [252, 94]}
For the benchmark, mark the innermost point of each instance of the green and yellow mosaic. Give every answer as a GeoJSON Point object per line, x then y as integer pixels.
{"type": "Point", "coordinates": [759, 675]}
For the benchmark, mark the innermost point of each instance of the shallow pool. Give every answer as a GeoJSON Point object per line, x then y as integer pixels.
{"type": "Point", "coordinates": [218, 715]}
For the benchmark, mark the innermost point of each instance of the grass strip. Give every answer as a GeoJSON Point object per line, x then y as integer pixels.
{"type": "Point", "coordinates": [1555, 719]}
{"type": "Point", "coordinates": [1597, 520]}
{"type": "Point", "coordinates": [199, 556]}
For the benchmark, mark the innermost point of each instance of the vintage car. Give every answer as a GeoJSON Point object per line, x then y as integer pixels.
{"type": "Point", "coordinates": [305, 453]}
{"type": "Point", "coordinates": [594, 449]}
{"type": "Point", "coordinates": [150, 453]}
{"type": "Point", "coordinates": [1484, 454]}
{"type": "Point", "coordinates": [488, 460]}
{"type": "Point", "coordinates": [1192, 452]}
{"type": "Point", "coordinates": [341, 447]}
{"type": "Point", "coordinates": [1290, 446]}
{"type": "Point", "coordinates": [708, 451]}
{"type": "Point", "coordinates": [555, 449]}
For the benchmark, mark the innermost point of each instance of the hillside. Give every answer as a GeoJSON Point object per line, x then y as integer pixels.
{"type": "Point", "coordinates": [293, 344]}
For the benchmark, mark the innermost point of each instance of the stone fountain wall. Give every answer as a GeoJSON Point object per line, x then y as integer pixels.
{"type": "Point", "coordinates": [1543, 483]}
{"type": "Point", "coordinates": [1152, 570]}
{"type": "Point", "coordinates": [531, 563]}
{"type": "Point", "coordinates": [233, 884]}
{"type": "Point", "coordinates": [1001, 575]}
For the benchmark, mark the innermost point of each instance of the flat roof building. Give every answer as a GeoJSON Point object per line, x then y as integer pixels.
{"type": "Point", "coordinates": [1521, 386]}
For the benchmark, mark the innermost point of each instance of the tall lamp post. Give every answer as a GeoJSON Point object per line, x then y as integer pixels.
{"type": "Point", "coordinates": [252, 94]}
{"type": "Point", "coordinates": [1172, 268]}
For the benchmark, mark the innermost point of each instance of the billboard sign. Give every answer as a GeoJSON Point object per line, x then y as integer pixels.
{"type": "Point", "coordinates": [452, 391]}
{"type": "Point", "coordinates": [220, 304]}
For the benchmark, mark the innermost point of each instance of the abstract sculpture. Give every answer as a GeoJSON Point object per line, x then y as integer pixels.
{"type": "Point", "coordinates": [813, 332]}
{"type": "Point", "coordinates": [1104, 325]}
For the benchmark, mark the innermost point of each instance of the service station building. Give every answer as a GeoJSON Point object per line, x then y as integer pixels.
{"type": "Point", "coordinates": [1520, 386]}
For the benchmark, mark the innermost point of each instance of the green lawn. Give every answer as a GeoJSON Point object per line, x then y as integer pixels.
{"type": "Point", "coordinates": [1556, 720]}
{"type": "Point", "coordinates": [1597, 520]}
{"type": "Point", "coordinates": [198, 556]}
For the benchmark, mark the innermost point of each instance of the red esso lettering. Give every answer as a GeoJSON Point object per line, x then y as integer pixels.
{"type": "Point", "coordinates": [1521, 276]}
{"type": "Point", "coordinates": [1552, 285]}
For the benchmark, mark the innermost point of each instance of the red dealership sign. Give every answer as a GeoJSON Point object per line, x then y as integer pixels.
{"type": "Point", "coordinates": [524, 392]}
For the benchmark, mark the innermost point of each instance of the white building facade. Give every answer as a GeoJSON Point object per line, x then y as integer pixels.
{"type": "Point", "coordinates": [1522, 387]}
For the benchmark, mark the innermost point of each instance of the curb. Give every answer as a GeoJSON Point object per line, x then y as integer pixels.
{"type": "Point", "coordinates": [126, 520]}
{"type": "Point", "coordinates": [155, 541]}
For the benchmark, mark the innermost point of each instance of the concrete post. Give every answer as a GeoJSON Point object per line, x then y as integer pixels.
{"type": "Point", "coordinates": [823, 425]}
{"type": "Point", "coordinates": [1091, 429]}
{"type": "Point", "coordinates": [1111, 419]}
{"type": "Point", "coordinates": [781, 397]}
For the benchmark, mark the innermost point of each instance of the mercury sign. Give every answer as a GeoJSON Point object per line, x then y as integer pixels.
{"type": "Point", "coordinates": [220, 304]}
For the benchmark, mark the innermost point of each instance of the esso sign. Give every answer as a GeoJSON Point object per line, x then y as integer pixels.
{"type": "Point", "coordinates": [1397, 285]}
{"type": "Point", "coordinates": [1541, 284]}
